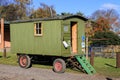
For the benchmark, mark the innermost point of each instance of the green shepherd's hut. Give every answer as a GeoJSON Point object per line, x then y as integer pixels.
{"type": "Point", "coordinates": [59, 39]}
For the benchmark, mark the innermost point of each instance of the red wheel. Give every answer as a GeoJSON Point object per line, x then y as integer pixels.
{"type": "Point", "coordinates": [59, 65]}
{"type": "Point", "coordinates": [24, 61]}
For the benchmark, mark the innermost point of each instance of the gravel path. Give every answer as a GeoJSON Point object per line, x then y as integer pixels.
{"type": "Point", "coordinates": [8, 72]}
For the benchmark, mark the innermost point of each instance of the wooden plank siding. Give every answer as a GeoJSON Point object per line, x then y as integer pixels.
{"type": "Point", "coordinates": [2, 44]}
{"type": "Point", "coordinates": [4, 35]}
{"type": "Point", "coordinates": [23, 39]}
{"type": "Point", "coordinates": [67, 35]}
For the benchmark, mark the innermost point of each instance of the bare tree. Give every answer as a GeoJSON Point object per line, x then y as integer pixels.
{"type": "Point", "coordinates": [18, 9]}
{"type": "Point", "coordinates": [9, 12]}
{"type": "Point", "coordinates": [107, 19]}
{"type": "Point", "coordinates": [44, 11]}
{"type": "Point", "coordinates": [24, 9]}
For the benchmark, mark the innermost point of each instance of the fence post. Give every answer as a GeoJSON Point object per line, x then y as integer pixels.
{"type": "Point", "coordinates": [86, 47]}
{"type": "Point", "coordinates": [92, 58]}
{"type": "Point", "coordinates": [118, 60]}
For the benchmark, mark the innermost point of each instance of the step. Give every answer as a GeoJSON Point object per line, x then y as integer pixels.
{"type": "Point", "coordinates": [85, 64]}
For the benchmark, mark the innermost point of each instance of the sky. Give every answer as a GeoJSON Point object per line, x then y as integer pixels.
{"type": "Point", "coordinates": [87, 7]}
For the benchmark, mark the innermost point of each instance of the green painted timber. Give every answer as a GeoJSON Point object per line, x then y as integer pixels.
{"type": "Point", "coordinates": [23, 39]}
{"type": "Point", "coordinates": [67, 35]}
{"type": "Point", "coordinates": [50, 43]}
{"type": "Point", "coordinates": [85, 64]}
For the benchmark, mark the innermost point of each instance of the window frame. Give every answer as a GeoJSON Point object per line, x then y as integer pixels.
{"type": "Point", "coordinates": [35, 29]}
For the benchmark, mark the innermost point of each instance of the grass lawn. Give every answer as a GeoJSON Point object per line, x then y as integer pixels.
{"type": "Point", "coordinates": [103, 66]}
{"type": "Point", "coordinates": [11, 59]}
{"type": "Point", "coordinates": [107, 67]}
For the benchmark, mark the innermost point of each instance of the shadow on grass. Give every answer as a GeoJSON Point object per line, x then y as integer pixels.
{"type": "Point", "coordinates": [108, 79]}
{"type": "Point", "coordinates": [8, 57]}
{"type": "Point", "coordinates": [0, 56]}
{"type": "Point", "coordinates": [110, 65]}
{"type": "Point", "coordinates": [5, 57]}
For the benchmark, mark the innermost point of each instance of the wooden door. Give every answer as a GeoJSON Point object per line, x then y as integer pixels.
{"type": "Point", "coordinates": [74, 37]}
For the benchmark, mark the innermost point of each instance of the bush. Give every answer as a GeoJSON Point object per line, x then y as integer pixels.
{"type": "Point", "coordinates": [106, 38]}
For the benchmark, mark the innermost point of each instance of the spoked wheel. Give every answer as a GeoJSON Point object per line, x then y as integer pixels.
{"type": "Point", "coordinates": [59, 66]}
{"type": "Point", "coordinates": [24, 61]}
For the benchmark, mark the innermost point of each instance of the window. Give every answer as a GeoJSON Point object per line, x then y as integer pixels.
{"type": "Point", "coordinates": [65, 28]}
{"type": "Point", "coordinates": [38, 29]}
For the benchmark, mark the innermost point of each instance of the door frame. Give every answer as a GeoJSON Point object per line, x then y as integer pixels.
{"type": "Point", "coordinates": [74, 36]}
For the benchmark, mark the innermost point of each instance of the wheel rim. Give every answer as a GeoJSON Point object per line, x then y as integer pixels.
{"type": "Point", "coordinates": [23, 61]}
{"type": "Point", "coordinates": [58, 66]}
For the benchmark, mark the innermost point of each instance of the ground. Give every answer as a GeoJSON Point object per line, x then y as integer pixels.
{"type": "Point", "coordinates": [9, 72]}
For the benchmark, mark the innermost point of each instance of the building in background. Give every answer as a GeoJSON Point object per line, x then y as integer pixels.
{"type": "Point", "coordinates": [4, 35]}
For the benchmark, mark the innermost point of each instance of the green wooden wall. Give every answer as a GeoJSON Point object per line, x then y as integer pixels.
{"type": "Point", "coordinates": [67, 35]}
{"type": "Point", "coordinates": [23, 39]}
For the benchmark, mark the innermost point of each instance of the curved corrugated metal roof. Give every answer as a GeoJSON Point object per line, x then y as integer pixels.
{"type": "Point", "coordinates": [51, 18]}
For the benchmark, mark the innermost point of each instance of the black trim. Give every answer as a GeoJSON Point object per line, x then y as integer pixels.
{"type": "Point", "coordinates": [52, 18]}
